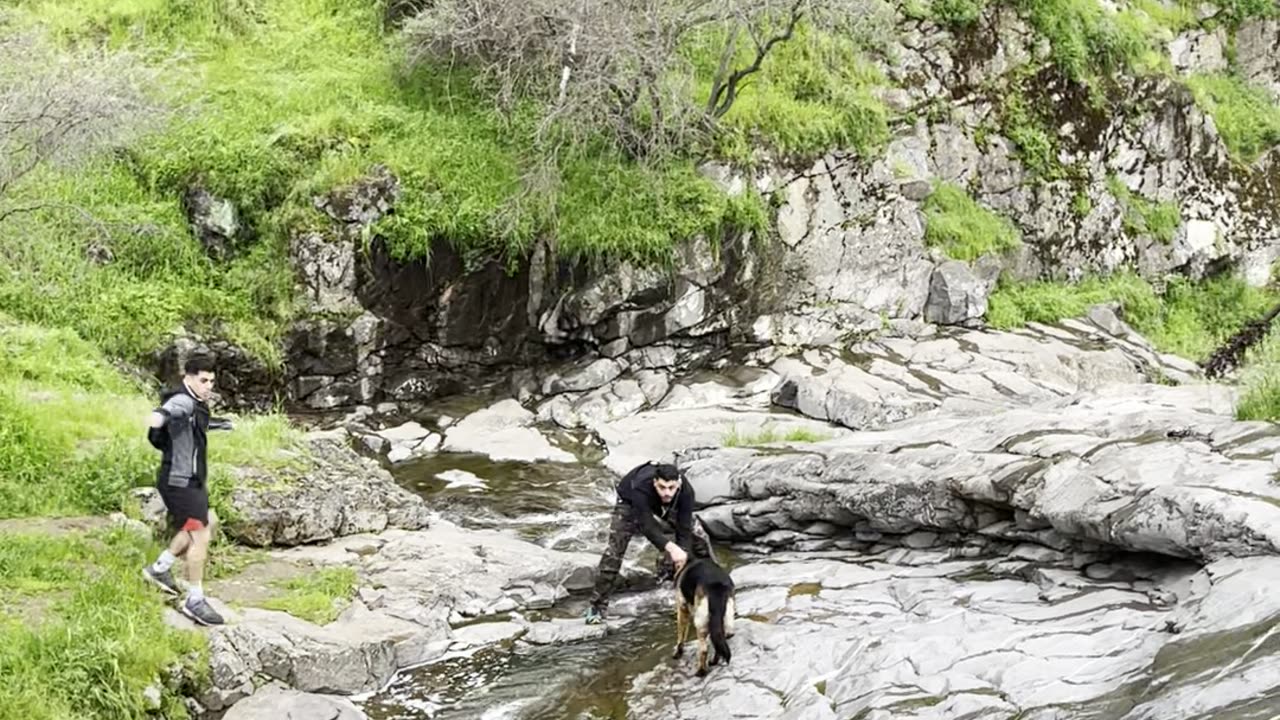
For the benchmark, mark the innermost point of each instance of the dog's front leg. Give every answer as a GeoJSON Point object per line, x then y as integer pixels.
{"type": "Point", "coordinates": [681, 623]}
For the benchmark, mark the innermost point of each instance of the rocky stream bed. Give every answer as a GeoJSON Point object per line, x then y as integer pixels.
{"type": "Point", "coordinates": [1047, 524]}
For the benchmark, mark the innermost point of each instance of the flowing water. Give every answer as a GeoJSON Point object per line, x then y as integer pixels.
{"type": "Point", "coordinates": [889, 633]}
{"type": "Point", "coordinates": [556, 505]}
{"type": "Point", "coordinates": [581, 681]}
{"type": "Point", "coordinates": [562, 507]}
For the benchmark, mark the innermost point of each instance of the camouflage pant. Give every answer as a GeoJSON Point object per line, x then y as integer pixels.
{"type": "Point", "coordinates": [622, 527]}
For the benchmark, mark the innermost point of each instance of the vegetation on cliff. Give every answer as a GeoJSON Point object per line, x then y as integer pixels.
{"type": "Point", "coordinates": [268, 104]}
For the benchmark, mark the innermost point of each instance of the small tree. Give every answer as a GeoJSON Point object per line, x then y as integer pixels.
{"type": "Point", "coordinates": [60, 107]}
{"type": "Point", "coordinates": [615, 66]}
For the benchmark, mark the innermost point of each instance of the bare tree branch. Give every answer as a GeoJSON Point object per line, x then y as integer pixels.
{"type": "Point", "coordinates": [611, 65]}
{"type": "Point", "coordinates": [723, 97]}
{"type": "Point", "coordinates": [60, 107]}
{"type": "Point", "coordinates": [726, 57]}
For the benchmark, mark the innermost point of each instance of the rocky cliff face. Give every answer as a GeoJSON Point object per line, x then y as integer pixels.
{"type": "Point", "coordinates": [849, 254]}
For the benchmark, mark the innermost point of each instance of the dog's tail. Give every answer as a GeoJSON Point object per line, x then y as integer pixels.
{"type": "Point", "coordinates": [717, 600]}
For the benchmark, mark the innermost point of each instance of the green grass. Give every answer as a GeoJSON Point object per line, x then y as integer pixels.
{"type": "Point", "coordinates": [1246, 117]}
{"type": "Point", "coordinates": [957, 13]}
{"type": "Point", "coordinates": [318, 597]}
{"type": "Point", "coordinates": [1036, 143]}
{"type": "Point", "coordinates": [1240, 10]}
{"type": "Point", "coordinates": [1189, 319]}
{"type": "Point", "coordinates": [813, 94]}
{"type": "Point", "coordinates": [72, 430]}
{"type": "Point", "coordinates": [769, 433]}
{"type": "Point", "coordinates": [964, 229]}
{"type": "Point", "coordinates": [285, 101]}
{"type": "Point", "coordinates": [96, 641]}
{"type": "Point", "coordinates": [1159, 220]}
{"type": "Point", "coordinates": [1260, 397]}
{"type": "Point", "coordinates": [1088, 43]}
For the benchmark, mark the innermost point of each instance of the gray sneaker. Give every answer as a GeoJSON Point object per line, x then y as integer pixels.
{"type": "Point", "coordinates": [201, 612]}
{"type": "Point", "coordinates": [163, 580]}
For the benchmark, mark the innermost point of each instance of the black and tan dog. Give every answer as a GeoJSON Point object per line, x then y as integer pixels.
{"type": "Point", "coordinates": [704, 595]}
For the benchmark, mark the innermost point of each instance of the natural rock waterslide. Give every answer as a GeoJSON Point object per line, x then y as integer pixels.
{"type": "Point", "coordinates": [995, 525]}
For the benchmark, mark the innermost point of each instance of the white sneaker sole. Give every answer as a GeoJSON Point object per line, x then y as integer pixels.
{"type": "Point", "coordinates": [146, 575]}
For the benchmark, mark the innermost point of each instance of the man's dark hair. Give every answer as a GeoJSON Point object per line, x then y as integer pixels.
{"type": "Point", "coordinates": [198, 363]}
{"type": "Point", "coordinates": [667, 471]}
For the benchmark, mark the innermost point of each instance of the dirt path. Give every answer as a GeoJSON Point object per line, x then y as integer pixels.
{"type": "Point", "coordinates": [54, 526]}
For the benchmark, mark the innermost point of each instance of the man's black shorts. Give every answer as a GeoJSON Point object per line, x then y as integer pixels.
{"type": "Point", "coordinates": [188, 506]}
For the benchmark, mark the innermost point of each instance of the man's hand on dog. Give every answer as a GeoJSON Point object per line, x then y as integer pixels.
{"type": "Point", "coordinates": [677, 555]}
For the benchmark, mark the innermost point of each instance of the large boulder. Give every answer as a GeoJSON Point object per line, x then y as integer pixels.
{"type": "Point", "coordinates": [956, 295]}
{"type": "Point", "coordinates": [1094, 467]}
{"type": "Point", "coordinates": [276, 702]}
{"type": "Point", "coordinates": [503, 431]}
{"type": "Point", "coordinates": [415, 585]}
{"type": "Point", "coordinates": [214, 221]}
{"type": "Point", "coordinates": [334, 492]}
{"type": "Point", "coordinates": [886, 380]}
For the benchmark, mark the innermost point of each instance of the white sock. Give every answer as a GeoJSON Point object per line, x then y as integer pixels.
{"type": "Point", "coordinates": [195, 592]}
{"type": "Point", "coordinates": [166, 561]}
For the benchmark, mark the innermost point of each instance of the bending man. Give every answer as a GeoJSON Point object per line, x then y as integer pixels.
{"type": "Point", "coordinates": [179, 427]}
{"type": "Point", "coordinates": [651, 498]}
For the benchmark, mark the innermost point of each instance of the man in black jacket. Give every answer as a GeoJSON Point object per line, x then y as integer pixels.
{"type": "Point", "coordinates": [179, 429]}
{"type": "Point", "coordinates": [651, 498]}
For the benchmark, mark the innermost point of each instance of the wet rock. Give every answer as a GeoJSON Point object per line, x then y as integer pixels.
{"type": "Point", "coordinates": [352, 655]}
{"type": "Point", "coordinates": [618, 400]}
{"type": "Point", "coordinates": [276, 702]}
{"type": "Point", "coordinates": [847, 635]}
{"type": "Point", "coordinates": [1219, 663]}
{"type": "Point", "coordinates": [590, 377]}
{"type": "Point", "coordinates": [447, 566]}
{"type": "Point", "coordinates": [503, 431]}
{"type": "Point", "coordinates": [422, 578]}
{"type": "Point", "coordinates": [561, 631]}
{"type": "Point", "coordinates": [485, 633]}
{"type": "Point", "coordinates": [1256, 42]}
{"type": "Point", "coordinates": [408, 441]}
{"type": "Point", "coordinates": [657, 435]}
{"type": "Point", "coordinates": [336, 492]}
{"type": "Point", "coordinates": [462, 479]}
{"type": "Point", "coordinates": [884, 381]}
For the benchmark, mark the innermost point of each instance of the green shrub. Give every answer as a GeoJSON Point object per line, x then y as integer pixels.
{"type": "Point", "coordinates": [964, 229]}
{"type": "Point", "coordinates": [1247, 118]}
{"type": "Point", "coordinates": [1189, 319]}
{"type": "Point", "coordinates": [1144, 217]}
{"type": "Point", "coordinates": [80, 635]}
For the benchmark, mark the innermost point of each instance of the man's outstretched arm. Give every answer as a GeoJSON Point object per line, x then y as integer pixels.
{"type": "Point", "coordinates": [684, 518]}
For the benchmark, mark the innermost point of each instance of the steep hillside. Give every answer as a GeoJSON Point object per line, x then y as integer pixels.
{"type": "Point", "coordinates": [274, 103]}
